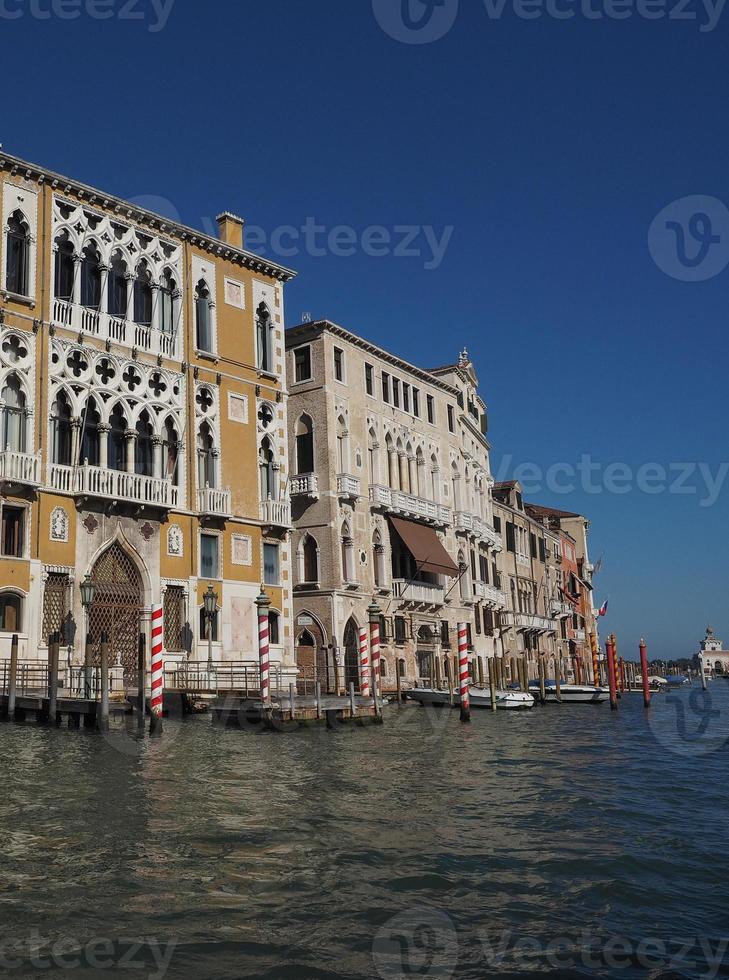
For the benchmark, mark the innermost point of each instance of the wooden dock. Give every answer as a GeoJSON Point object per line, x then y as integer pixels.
{"type": "Point", "coordinates": [236, 711]}
{"type": "Point", "coordinates": [75, 712]}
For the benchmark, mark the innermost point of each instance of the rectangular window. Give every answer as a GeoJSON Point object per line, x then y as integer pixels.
{"type": "Point", "coordinates": [445, 635]}
{"type": "Point", "coordinates": [174, 617]}
{"type": "Point", "coordinates": [473, 565]}
{"type": "Point", "coordinates": [270, 564]}
{"type": "Point", "coordinates": [542, 550]}
{"type": "Point", "coordinates": [405, 397]}
{"type": "Point", "coordinates": [209, 624]}
{"type": "Point", "coordinates": [302, 362]}
{"type": "Point", "coordinates": [338, 364]}
{"type": "Point", "coordinates": [416, 402]}
{"type": "Point", "coordinates": [484, 568]}
{"type": "Point", "coordinates": [209, 564]}
{"type": "Point", "coordinates": [497, 524]}
{"type": "Point", "coordinates": [396, 393]}
{"type": "Point", "coordinates": [510, 537]}
{"type": "Point", "coordinates": [399, 629]}
{"type": "Point", "coordinates": [533, 545]}
{"type": "Point", "coordinates": [55, 606]}
{"type": "Point", "coordinates": [451, 419]}
{"type": "Point", "coordinates": [369, 379]}
{"type": "Point", "coordinates": [386, 387]}
{"type": "Point", "coordinates": [519, 501]}
{"type": "Point", "coordinates": [477, 618]}
{"type": "Point", "coordinates": [431, 409]}
{"type": "Point", "coordinates": [13, 536]}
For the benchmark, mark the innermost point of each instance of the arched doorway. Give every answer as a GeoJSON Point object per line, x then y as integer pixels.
{"type": "Point", "coordinates": [351, 655]}
{"type": "Point", "coordinates": [117, 606]}
{"type": "Point", "coordinates": [424, 654]}
{"type": "Point", "coordinates": [311, 654]}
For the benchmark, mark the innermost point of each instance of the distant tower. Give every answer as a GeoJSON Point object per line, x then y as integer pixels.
{"type": "Point", "coordinates": [713, 659]}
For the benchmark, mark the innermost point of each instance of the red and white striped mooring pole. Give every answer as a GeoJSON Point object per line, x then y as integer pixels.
{"type": "Point", "coordinates": [158, 668]}
{"type": "Point", "coordinates": [373, 613]}
{"type": "Point", "coordinates": [263, 602]}
{"type": "Point", "coordinates": [463, 671]}
{"type": "Point", "coordinates": [364, 663]}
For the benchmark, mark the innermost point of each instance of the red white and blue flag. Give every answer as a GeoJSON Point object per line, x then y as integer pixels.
{"type": "Point", "coordinates": [602, 611]}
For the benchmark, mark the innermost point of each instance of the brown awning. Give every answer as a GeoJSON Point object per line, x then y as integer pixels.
{"type": "Point", "coordinates": [424, 545]}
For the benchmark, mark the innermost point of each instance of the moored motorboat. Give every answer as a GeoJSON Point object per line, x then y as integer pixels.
{"type": "Point", "coordinates": [572, 693]}
{"type": "Point", "coordinates": [479, 698]}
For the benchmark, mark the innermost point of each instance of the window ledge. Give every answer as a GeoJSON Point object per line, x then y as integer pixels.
{"type": "Point", "coordinates": [269, 375]}
{"type": "Point", "coordinates": [206, 355]}
{"type": "Point", "coordinates": [19, 298]}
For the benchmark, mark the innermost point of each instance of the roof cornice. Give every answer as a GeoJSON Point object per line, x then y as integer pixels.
{"type": "Point", "coordinates": [132, 212]}
{"type": "Point", "coordinates": [296, 335]}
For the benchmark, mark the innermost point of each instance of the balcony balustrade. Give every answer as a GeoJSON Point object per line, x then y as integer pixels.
{"type": "Point", "coordinates": [528, 621]}
{"type": "Point", "coordinates": [276, 513]}
{"type": "Point", "coordinates": [20, 468]}
{"type": "Point", "coordinates": [214, 502]}
{"type": "Point", "coordinates": [579, 636]}
{"type": "Point", "coordinates": [115, 329]}
{"type": "Point", "coordinates": [397, 502]}
{"type": "Point", "coordinates": [95, 481]}
{"type": "Point", "coordinates": [560, 609]}
{"type": "Point", "coordinates": [348, 486]}
{"type": "Point", "coordinates": [473, 524]}
{"type": "Point", "coordinates": [304, 485]}
{"type": "Point", "coordinates": [421, 593]}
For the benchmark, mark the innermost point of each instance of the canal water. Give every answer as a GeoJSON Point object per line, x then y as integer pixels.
{"type": "Point", "coordinates": [567, 842]}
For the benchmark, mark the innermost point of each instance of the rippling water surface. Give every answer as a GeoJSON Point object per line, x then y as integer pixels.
{"type": "Point", "coordinates": [421, 848]}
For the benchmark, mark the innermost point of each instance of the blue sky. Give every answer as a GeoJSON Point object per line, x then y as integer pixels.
{"type": "Point", "coordinates": [538, 150]}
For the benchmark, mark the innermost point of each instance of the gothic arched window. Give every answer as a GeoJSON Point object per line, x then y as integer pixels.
{"type": "Point", "coordinates": [90, 435]}
{"type": "Point", "coordinates": [267, 470]}
{"type": "Point", "coordinates": [205, 457]}
{"type": "Point", "coordinates": [264, 338]}
{"type": "Point", "coordinates": [61, 430]}
{"type": "Point", "coordinates": [170, 452]}
{"type": "Point", "coordinates": [203, 317]}
{"type": "Point", "coordinates": [144, 450]}
{"type": "Point", "coordinates": [311, 559]}
{"type": "Point", "coordinates": [117, 288]}
{"type": "Point", "coordinates": [117, 439]}
{"type": "Point", "coordinates": [91, 278]}
{"type": "Point", "coordinates": [304, 445]}
{"type": "Point", "coordinates": [167, 302]}
{"type": "Point", "coordinates": [17, 250]}
{"type": "Point", "coordinates": [143, 295]}
{"type": "Point", "coordinates": [13, 415]}
{"type": "Point", "coordinates": [64, 270]}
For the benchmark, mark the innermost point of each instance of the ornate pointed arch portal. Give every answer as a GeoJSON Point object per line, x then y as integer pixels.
{"type": "Point", "coordinates": [117, 606]}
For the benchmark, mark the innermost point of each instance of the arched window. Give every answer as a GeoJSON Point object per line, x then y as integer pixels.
{"type": "Point", "coordinates": [378, 557]}
{"type": "Point", "coordinates": [117, 439]}
{"type": "Point", "coordinates": [420, 487]}
{"type": "Point", "coordinates": [274, 631]}
{"type": "Point", "coordinates": [90, 435]}
{"type": "Point", "coordinates": [342, 446]}
{"type": "Point", "coordinates": [17, 248]}
{"type": "Point", "coordinates": [463, 580]}
{"type": "Point", "coordinates": [167, 302]}
{"type": "Point", "coordinates": [144, 451]}
{"type": "Point", "coordinates": [456, 483]}
{"type": "Point", "coordinates": [203, 317]}
{"type": "Point", "coordinates": [91, 277]}
{"type": "Point", "coordinates": [11, 606]}
{"type": "Point", "coordinates": [205, 457]}
{"type": "Point", "coordinates": [373, 457]}
{"type": "Point", "coordinates": [348, 569]}
{"type": "Point", "coordinates": [392, 463]}
{"type": "Point", "coordinates": [117, 288]}
{"type": "Point", "coordinates": [61, 430]}
{"type": "Point", "coordinates": [64, 270]}
{"type": "Point", "coordinates": [402, 468]}
{"type": "Point", "coordinates": [435, 495]}
{"type": "Point", "coordinates": [267, 470]}
{"type": "Point", "coordinates": [170, 451]}
{"type": "Point", "coordinates": [264, 338]}
{"type": "Point", "coordinates": [304, 445]}
{"type": "Point", "coordinates": [13, 412]}
{"type": "Point", "coordinates": [143, 295]}
{"type": "Point", "coordinates": [310, 559]}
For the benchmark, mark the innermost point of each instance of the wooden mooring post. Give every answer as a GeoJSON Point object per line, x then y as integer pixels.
{"type": "Point", "coordinates": [558, 677]}
{"type": "Point", "coordinates": [292, 700]}
{"type": "Point", "coordinates": [352, 703]}
{"type": "Point", "coordinates": [317, 699]}
{"type": "Point", "coordinates": [141, 680]}
{"type": "Point", "coordinates": [102, 722]}
{"type": "Point", "coordinates": [398, 679]}
{"type": "Point", "coordinates": [542, 684]}
{"type": "Point", "coordinates": [492, 682]}
{"type": "Point", "coordinates": [644, 669]}
{"type": "Point", "coordinates": [13, 678]}
{"type": "Point", "coordinates": [88, 667]}
{"type": "Point", "coordinates": [54, 644]}
{"type": "Point", "coordinates": [612, 675]}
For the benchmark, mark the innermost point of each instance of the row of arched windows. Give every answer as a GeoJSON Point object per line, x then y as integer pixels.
{"type": "Point", "coordinates": [17, 255]}
{"type": "Point", "coordinates": [308, 559]}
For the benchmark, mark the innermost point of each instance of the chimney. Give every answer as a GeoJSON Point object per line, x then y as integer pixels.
{"type": "Point", "coordinates": [230, 229]}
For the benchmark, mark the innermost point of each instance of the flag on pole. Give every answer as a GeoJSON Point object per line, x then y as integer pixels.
{"type": "Point", "coordinates": [602, 611]}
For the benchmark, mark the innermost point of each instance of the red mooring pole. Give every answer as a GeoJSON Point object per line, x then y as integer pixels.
{"type": "Point", "coordinates": [622, 676]}
{"type": "Point", "coordinates": [463, 671]}
{"type": "Point", "coordinates": [610, 650]}
{"type": "Point", "coordinates": [644, 669]}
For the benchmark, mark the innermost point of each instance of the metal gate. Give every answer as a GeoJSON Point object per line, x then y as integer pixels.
{"type": "Point", "coordinates": [351, 656]}
{"type": "Point", "coordinates": [116, 607]}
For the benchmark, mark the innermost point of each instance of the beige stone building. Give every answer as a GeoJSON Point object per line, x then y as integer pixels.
{"type": "Point", "coordinates": [390, 491]}
{"type": "Point", "coordinates": [143, 415]}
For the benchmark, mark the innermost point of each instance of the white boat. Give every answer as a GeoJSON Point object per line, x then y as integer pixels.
{"type": "Point", "coordinates": [479, 698]}
{"type": "Point", "coordinates": [572, 693]}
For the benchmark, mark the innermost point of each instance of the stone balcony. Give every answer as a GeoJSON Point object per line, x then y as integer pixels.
{"type": "Point", "coordinates": [528, 621]}
{"type": "Point", "coordinates": [494, 598]}
{"type": "Point", "coordinates": [22, 468]}
{"type": "Point", "coordinates": [304, 485]}
{"type": "Point", "coordinates": [276, 513]}
{"type": "Point", "coordinates": [348, 487]}
{"type": "Point", "coordinates": [579, 636]}
{"type": "Point", "coordinates": [418, 593]}
{"type": "Point", "coordinates": [560, 610]}
{"type": "Point", "coordinates": [117, 330]}
{"type": "Point", "coordinates": [405, 504]}
{"type": "Point", "coordinates": [473, 524]}
{"type": "Point", "coordinates": [212, 502]}
{"type": "Point", "coordinates": [112, 485]}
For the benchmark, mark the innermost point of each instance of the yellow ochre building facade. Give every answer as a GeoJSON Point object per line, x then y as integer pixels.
{"type": "Point", "coordinates": [143, 426]}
